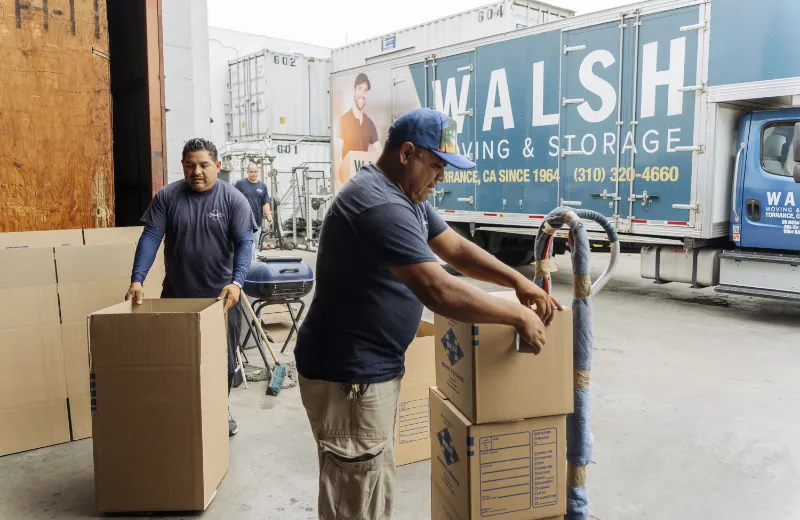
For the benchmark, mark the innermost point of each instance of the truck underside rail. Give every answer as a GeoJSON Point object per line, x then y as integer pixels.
{"type": "Point", "coordinates": [595, 236]}
{"type": "Point", "coordinates": [765, 275]}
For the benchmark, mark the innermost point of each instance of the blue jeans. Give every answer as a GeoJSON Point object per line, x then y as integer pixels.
{"type": "Point", "coordinates": [256, 237]}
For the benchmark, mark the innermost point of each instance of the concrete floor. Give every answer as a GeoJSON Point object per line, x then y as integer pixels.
{"type": "Point", "coordinates": [695, 416]}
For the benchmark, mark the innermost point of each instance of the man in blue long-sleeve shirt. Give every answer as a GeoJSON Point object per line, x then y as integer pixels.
{"type": "Point", "coordinates": [208, 227]}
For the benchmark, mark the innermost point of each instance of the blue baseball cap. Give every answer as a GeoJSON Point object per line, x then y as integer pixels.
{"type": "Point", "coordinates": [430, 129]}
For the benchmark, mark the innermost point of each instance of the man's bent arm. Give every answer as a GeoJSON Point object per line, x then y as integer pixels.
{"type": "Point", "coordinates": [453, 298]}
{"type": "Point", "coordinates": [242, 249]}
{"type": "Point", "coordinates": [146, 252]}
{"type": "Point", "coordinates": [472, 261]}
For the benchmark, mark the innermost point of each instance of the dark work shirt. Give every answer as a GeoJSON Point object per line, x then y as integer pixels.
{"type": "Point", "coordinates": [257, 195]}
{"type": "Point", "coordinates": [362, 317]}
{"type": "Point", "coordinates": [199, 229]}
{"type": "Point", "coordinates": [356, 135]}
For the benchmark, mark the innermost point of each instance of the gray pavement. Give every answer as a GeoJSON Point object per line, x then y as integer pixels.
{"type": "Point", "coordinates": [696, 415]}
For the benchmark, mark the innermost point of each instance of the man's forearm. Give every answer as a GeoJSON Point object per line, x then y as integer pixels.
{"type": "Point", "coordinates": [458, 300]}
{"type": "Point", "coordinates": [242, 249]}
{"type": "Point", "coordinates": [476, 263]}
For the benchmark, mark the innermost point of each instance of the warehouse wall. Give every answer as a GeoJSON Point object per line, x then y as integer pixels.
{"type": "Point", "coordinates": [186, 77]}
{"type": "Point", "coordinates": [225, 45]}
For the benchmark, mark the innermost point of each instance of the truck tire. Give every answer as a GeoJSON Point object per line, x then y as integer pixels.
{"type": "Point", "coordinates": [515, 258]}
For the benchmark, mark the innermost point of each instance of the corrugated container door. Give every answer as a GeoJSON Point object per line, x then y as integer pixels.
{"type": "Point", "coordinates": [589, 113]}
{"type": "Point", "coordinates": [319, 72]}
{"type": "Point", "coordinates": [453, 93]}
{"type": "Point", "coordinates": [287, 82]}
{"type": "Point", "coordinates": [248, 118]}
{"type": "Point", "coordinates": [664, 133]}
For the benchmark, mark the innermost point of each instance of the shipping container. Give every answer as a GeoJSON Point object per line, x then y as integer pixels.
{"type": "Point", "coordinates": [225, 45]}
{"type": "Point", "coordinates": [66, 163]}
{"type": "Point", "coordinates": [278, 96]}
{"type": "Point", "coordinates": [489, 20]}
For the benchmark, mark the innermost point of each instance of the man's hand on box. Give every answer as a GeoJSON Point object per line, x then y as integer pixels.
{"type": "Point", "coordinates": [230, 295]}
{"type": "Point", "coordinates": [135, 293]}
{"type": "Point", "coordinates": [531, 329]}
{"type": "Point", "coordinates": [530, 294]}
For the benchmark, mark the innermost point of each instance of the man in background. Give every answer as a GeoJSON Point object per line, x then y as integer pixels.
{"type": "Point", "coordinates": [357, 132]}
{"type": "Point", "coordinates": [208, 231]}
{"type": "Point", "coordinates": [257, 196]}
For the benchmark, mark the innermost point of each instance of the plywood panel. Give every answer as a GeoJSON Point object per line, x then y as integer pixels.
{"type": "Point", "coordinates": [55, 115]}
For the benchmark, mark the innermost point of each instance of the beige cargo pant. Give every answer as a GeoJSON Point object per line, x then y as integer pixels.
{"type": "Point", "coordinates": [355, 443]}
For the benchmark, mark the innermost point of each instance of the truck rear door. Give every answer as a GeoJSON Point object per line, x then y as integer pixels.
{"type": "Point", "coordinates": [452, 91]}
{"type": "Point", "coordinates": [767, 203]}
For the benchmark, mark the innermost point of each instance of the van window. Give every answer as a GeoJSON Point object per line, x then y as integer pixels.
{"type": "Point", "coordinates": [776, 149]}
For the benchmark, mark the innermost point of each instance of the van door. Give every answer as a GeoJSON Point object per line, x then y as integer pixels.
{"type": "Point", "coordinates": [768, 204]}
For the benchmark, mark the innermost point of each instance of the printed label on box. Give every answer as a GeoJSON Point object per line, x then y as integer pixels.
{"type": "Point", "coordinates": [414, 421]}
{"type": "Point", "coordinates": [505, 466]}
{"type": "Point", "coordinates": [545, 469]}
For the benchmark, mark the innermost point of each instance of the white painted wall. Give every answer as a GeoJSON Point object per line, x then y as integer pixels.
{"type": "Point", "coordinates": [186, 77]}
{"type": "Point", "coordinates": [225, 45]}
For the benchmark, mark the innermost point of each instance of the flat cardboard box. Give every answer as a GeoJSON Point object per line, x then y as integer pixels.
{"type": "Point", "coordinates": [75, 350]}
{"type": "Point", "coordinates": [479, 369]}
{"type": "Point", "coordinates": [28, 239]}
{"type": "Point", "coordinates": [33, 404]}
{"type": "Point", "coordinates": [29, 306]}
{"type": "Point", "coordinates": [80, 299]}
{"type": "Point", "coordinates": [160, 404]}
{"type": "Point", "coordinates": [31, 427]}
{"type": "Point", "coordinates": [80, 417]}
{"type": "Point", "coordinates": [24, 267]}
{"type": "Point", "coordinates": [94, 263]}
{"type": "Point", "coordinates": [115, 235]}
{"type": "Point", "coordinates": [412, 433]}
{"type": "Point", "coordinates": [513, 470]}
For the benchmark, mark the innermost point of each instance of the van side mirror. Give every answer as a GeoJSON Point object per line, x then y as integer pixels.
{"type": "Point", "coordinates": [796, 148]}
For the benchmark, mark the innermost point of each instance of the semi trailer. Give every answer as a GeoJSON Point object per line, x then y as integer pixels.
{"type": "Point", "coordinates": [679, 120]}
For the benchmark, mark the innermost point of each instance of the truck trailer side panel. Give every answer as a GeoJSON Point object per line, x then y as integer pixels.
{"type": "Point", "coordinates": [56, 167]}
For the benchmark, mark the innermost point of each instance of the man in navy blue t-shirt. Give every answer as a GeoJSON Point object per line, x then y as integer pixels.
{"type": "Point", "coordinates": [207, 229]}
{"type": "Point", "coordinates": [376, 267]}
{"type": "Point", "coordinates": [257, 196]}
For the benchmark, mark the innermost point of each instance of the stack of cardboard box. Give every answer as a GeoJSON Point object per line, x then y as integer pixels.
{"type": "Point", "coordinates": [498, 422]}
{"type": "Point", "coordinates": [49, 283]}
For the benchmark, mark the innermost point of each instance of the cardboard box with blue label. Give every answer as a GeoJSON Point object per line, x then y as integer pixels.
{"type": "Point", "coordinates": [480, 371]}
{"type": "Point", "coordinates": [513, 470]}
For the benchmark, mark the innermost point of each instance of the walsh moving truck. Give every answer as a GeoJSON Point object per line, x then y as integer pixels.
{"type": "Point", "coordinates": [678, 119]}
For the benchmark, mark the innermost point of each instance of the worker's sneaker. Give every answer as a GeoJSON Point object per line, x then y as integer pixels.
{"type": "Point", "coordinates": [233, 428]}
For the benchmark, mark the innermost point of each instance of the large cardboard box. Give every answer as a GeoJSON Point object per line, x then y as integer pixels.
{"type": "Point", "coordinates": [29, 239]}
{"type": "Point", "coordinates": [412, 433]}
{"type": "Point", "coordinates": [33, 405]}
{"type": "Point", "coordinates": [513, 470]}
{"type": "Point", "coordinates": [441, 509]}
{"type": "Point", "coordinates": [159, 404]}
{"type": "Point", "coordinates": [479, 369]}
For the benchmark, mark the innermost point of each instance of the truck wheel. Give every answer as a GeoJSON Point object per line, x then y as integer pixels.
{"type": "Point", "coordinates": [515, 258]}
